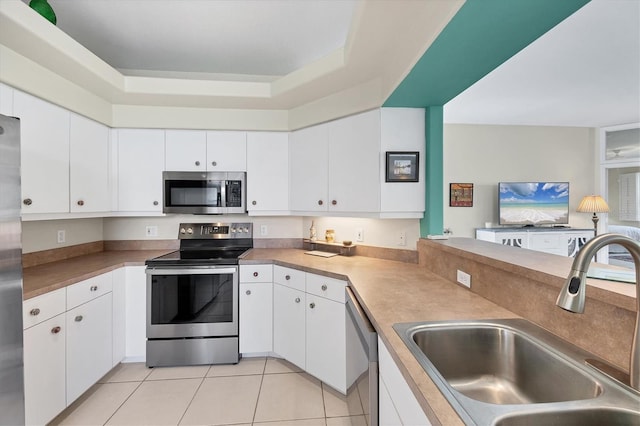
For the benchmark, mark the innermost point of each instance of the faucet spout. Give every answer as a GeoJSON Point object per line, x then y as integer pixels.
{"type": "Point", "coordinates": [572, 295]}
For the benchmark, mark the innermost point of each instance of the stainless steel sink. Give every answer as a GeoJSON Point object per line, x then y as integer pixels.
{"type": "Point", "coordinates": [506, 372]}
{"type": "Point", "coordinates": [585, 417]}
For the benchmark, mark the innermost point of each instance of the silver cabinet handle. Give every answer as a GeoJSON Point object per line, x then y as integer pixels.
{"type": "Point", "coordinates": [80, 202]}
{"type": "Point", "coordinates": [214, 163]}
{"type": "Point", "coordinates": [56, 330]}
{"type": "Point", "coordinates": [312, 305]}
{"type": "Point", "coordinates": [248, 293]}
{"type": "Point", "coordinates": [78, 318]}
{"type": "Point", "coordinates": [324, 287]}
{"type": "Point", "coordinates": [27, 201]}
{"type": "Point", "coordinates": [155, 203]}
{"type": "Point", "coordinates": [93, 288]}
{"type": "Point", "coordinates": [287, 277]}
{"type": "Point", "coordinates": [297, 300]}
{"type": "Point", "coordinates": [320, 202]}
{"type": "Point", "coordinates": [254, 202]}
{"type": "Point", "coordinates": [334, 202]}
{"type": "Point", "coordinates": [255, 274]}
{"type": "Point", "coordinates": [197, 163]}
{"type": "Point", "coordinates": [34, 312]}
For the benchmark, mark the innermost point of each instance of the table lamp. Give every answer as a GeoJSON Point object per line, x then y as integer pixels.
{"type": "Point", "coordinates": [593, 204]}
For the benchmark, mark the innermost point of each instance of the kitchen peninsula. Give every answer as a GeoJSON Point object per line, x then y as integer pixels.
{"type": "Point", "coordinates": [393, 292]}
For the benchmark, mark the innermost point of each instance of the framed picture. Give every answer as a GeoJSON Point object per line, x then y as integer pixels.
{"type": "Point", "coordinates": [402, 166]}
{"type": "Point", "coordinates": [461, 195]}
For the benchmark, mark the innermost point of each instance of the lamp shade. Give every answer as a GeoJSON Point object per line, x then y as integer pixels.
{"type": "Point", "coordinates": [593, 204]}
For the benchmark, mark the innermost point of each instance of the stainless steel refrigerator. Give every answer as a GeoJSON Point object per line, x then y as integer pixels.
{"type": "Point", "coordinates": [11, 359]}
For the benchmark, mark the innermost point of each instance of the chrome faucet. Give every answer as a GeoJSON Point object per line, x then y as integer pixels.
{"type": "Point", "coordinates": [572, 295]}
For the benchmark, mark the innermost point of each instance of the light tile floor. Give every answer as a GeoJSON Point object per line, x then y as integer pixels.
{"type": "Point", "coordinates": [256, 391]}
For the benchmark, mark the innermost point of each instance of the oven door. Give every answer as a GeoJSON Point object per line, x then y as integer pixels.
{"type": "Point", "coordinates": [192, 302]}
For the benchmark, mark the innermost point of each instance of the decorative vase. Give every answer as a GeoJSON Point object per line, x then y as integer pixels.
{"type": "Point", "coordinates": [312, 231]}
{"type": "Point", "coordinates": [44, 9]}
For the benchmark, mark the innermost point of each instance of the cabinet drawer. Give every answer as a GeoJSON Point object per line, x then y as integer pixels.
{"type": "Point", "coordinates": [292, 278]}
{"type": "Point", "coordinates": [330, 288]}
{"type": "Point", "coordinates": [87, 290]}
{"type": "Point", "coordinates": [256, 273]}
{"type": "Point", "coordinates": [41, 308]}
{"type": "Point", "coordinates": [546, 241]}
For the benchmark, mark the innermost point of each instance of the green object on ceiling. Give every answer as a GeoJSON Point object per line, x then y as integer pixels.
{"type": "Point", "coordinates": [44, 9]}
{"type": "Point", "coordinates": [480, 37]}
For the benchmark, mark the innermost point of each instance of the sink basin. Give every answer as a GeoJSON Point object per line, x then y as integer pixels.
{"type": "Point", "coordinates": [512, 372]}
{"type": "Point", "coordinates": [585, 417]}
{"type": "Point", "coordinates": [501, 365]}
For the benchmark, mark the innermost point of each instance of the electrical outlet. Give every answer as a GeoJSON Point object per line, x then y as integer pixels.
{"type": "Point", "coordinates": [359, 234]}
{"type": "Point", "coordinates": [464, 278]}
{"type": "Point", "coordinates": [264, 230]}
{"type": "Point", "coordinates": [402, 238]}
{"type": "Point", "coordinates": [62, 237]}
{"type": "Point", "coordinates": [151, 231]}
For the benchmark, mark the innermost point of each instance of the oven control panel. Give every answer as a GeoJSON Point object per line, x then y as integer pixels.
{"type": "Point", "coordinates": [205, 231]}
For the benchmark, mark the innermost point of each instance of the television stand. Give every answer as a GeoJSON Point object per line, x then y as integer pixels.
{"type": "Point", "coordinates": [560, 241]}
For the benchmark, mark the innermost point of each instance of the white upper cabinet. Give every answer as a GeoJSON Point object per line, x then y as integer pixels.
{"type": "Point", "coordinates": [186, 150]}
{"type": "Point", "coordinates": [354, 167]}
{"type": "Point", "coordinates": [89, 165]}
{"type": "Point", "coordinates": [140, 164]}
{"type": "Point", "coordinates": [226, 151]}
{"type": "Point", "coordinates": [402, 129]}
{"type": "Point", "coordinates": [267, 172]}
{"type": "Point", "coordinates": [309, 156]}
{"type": "Point", "coordinates": [44, 136]}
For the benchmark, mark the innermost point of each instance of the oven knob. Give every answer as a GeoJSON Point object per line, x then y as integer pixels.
{"type": "Point", "coordinates": [233, 230]}
{"type": "Point", "coordinates": [240, 230]}
{"type": "Point", "coordinates": [189, 230]}
{"type": "Point", "coordinates": [246, 229]}
{"type": "Point", "coordinates": [182, 230]}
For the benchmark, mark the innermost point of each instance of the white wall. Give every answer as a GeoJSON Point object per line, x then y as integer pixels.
{"type": "Point", "coordinates": [485, 155]}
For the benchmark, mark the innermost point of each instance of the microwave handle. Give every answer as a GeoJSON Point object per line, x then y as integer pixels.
{"type": "Point", "coordinates": [222, 197]}
{"type": "Point", "coordinates": [190, 271]}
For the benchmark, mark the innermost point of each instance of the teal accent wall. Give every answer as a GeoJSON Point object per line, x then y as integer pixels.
{"type": "Point", "coordinates": [480, 37]}
{"type": "Point", "coordinates": [432, 222]}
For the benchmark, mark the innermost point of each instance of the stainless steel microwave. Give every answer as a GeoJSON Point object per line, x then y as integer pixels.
{"type": "Point", "coordinates": [204, 192]}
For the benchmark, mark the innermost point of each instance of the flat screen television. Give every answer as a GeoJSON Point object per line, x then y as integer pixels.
{"type": "Point", "coordinates": [533, 203]}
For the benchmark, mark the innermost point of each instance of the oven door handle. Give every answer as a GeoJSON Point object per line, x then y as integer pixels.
{"type": "Point", "coordinates": [191, 271]}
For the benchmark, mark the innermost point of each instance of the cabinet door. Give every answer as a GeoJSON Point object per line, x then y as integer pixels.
{"type": "Point", "coordinates": [186, 150]}
{"type": "Point", "coordinates": [89, 345]}
{"type": "Point", "coordinates": [88, 165]}
{"type": "Point", "coordinates": [325, 341]}
{"type": "Point", "coordinates": [309, 150]}
{"type": "Point", "coordinates": [267, 171]}
{"type": "Point", "coordinates": [226, 151]}
{"type": "Point", "coordinates": [354, 163]}
{"type": "Point", "coordinates": [119, 324]}
{"type": "Point", "coordinates": [136, 314]}
{"type": "Point", "coordinates": [140, 165]}
{"type": "Point", "coordinates": [256, 317]}
{"type": "Point", "coordinates": [44, 151]}
{"type": "Point", "coordinates": [44, 370]}
{"type": "Point", "coordinates": [289, 324]}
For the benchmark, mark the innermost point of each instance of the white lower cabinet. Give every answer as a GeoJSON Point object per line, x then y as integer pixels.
{"type": "Point", "coordinates": [289, 329]}
{"type": "Point", "coordinates": [89, 345]}
{"type": "Point", "coordinates": [44, 370]}
{"type": "Point", "coordinates": [397, 401]}
{"type": "Point", "coordinates": [67, 345]}
{"type": "Point", "coordinates": [256, 309]}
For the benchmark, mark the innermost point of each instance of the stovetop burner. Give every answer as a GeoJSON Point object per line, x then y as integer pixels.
{"type": "Point", "coordinates": [208, 244]}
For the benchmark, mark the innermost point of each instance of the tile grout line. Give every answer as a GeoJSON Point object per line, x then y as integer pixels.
{"type": "Point", "coordinates": [194, 396]}
{"type": "Point", "coordinates": [123, 402]}
{"type": "Point", "coordinates": [255, 409]}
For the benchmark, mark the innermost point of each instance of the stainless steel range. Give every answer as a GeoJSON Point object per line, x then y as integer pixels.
{"type": "Point", "coordinates": [192, 296]}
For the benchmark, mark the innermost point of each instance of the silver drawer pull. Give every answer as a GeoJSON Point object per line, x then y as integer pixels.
{"type": "Point", "coordinates": [197, 163]}
{"type": "Point", "coordinates": [56, 330]}
{"type": "Point", "coordinates": [34, 312]}
{"type": "Point", "coordinates": [248, 293]}
{"type": "Point", "coordinates": [94, 288]}
{"type": "Point", "coordinates": [287, 277]}
{"type": "Point", "coordinates": [78, 318]}
{"type": "Point", "coordinates": [255, 274]}
{"type": "Point", "coordinates": [312, 305]}
{"type": "Point", "coordinates": [324, 287]}
{"type": "Point", "coordinates": [297, 300]}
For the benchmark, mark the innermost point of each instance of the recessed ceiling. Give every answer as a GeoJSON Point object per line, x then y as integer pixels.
{"type": "Point", "coordinates": [173, 37]}
{"type": "Point", "coordinates": [585, 72]}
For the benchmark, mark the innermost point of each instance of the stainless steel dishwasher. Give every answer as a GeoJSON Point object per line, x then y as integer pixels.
{"type": "Point", "coordinates": [366, 363]}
